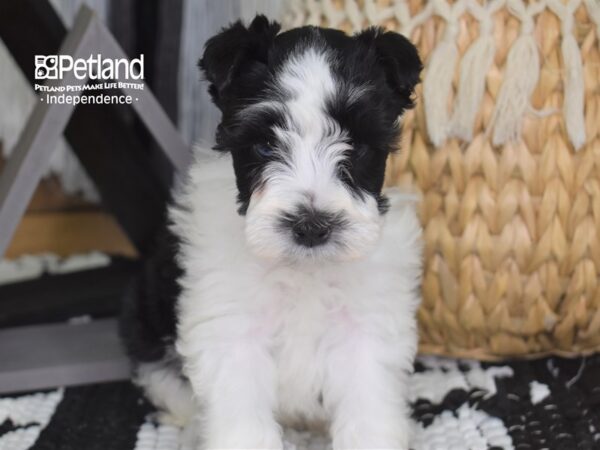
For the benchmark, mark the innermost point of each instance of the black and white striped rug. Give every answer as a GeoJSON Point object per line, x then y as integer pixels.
{"type": "Point", "coordinates": [457, 405]}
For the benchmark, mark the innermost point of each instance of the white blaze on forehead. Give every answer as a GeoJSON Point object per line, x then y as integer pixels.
{"type": "Point", "coordinates": [307, 79]}
{"type": "Point", "coordinates": [314, 143]}
{"type": "Point", "coordinates": [306, 82]}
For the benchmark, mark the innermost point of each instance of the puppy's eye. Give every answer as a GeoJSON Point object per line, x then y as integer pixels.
{"type": "Point", "coordinates": [264, 150]}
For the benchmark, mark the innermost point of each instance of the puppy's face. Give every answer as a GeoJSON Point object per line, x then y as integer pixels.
{"type": "Point", "coordinates": [309, 116]}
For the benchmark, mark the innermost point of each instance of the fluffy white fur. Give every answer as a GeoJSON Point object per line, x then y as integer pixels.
{"type": "Point", "coordinates": [168, 392]}
{"type": "Point", "coordinates": [273, 332]}
{"type": "Point", "coordinates": [263, 339]}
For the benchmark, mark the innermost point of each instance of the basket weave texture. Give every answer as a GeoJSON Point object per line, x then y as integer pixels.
{"type": "Point", "coordinates": [512, 258]}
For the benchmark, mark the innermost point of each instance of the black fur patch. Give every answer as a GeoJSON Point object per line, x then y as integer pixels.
{"type": "Point", "coordinates": [147, 322]}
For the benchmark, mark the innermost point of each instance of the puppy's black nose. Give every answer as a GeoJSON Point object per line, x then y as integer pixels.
{"type": "Point", "coordinates": [312, 232]}
{"type": "Point", "coordinates": [311, 227]}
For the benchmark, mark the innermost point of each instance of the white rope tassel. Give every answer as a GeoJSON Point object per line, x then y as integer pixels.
{"type": "Point", "coordinates": [438, 79]}
{"type": "Point", "coordinates": [573, 101]}
{"type": "Point", "coordinates": [520, 78]}
{"type": "Point", "coordinates": [573, 85]}
{"type": "Point", "coordinates": [436, 89]}
{"type": "Point", "coordinates": [473, 69]}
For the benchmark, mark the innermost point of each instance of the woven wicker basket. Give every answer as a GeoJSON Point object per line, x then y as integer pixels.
{"type": "Point", "coordinates": [511, 217]}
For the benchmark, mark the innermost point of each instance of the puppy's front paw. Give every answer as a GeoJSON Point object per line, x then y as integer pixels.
{"type": "Point", "coordinates": [365, 443]}
{"type": "Point", "coordinates": [250, 437]}
{"type": "Point", "coordinates": [368, 434]}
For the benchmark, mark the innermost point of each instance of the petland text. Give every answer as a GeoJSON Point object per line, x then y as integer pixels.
{"type": "Point", "coordinates": [54, 67]}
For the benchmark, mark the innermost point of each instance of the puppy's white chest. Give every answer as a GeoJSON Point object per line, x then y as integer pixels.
{"type": "Point", "coordinates": [311, 314]}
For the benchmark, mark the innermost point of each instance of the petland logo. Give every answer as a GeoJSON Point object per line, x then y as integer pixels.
{"type": "Point", "coordinates": [97, 79]}
{"type": "Point", "coordinates": [54, 67]}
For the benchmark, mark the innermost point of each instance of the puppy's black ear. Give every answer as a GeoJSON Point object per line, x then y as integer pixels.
{"type": "Point", "coordinates": [399, 59]}
{"type": "Point", "coordinates": [235, 50]}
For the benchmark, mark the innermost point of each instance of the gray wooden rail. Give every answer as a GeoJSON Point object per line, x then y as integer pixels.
{"type": "Point", "coordinates": [44, 356]}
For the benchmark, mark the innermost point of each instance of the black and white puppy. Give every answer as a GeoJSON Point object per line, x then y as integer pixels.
{"type": "Point", "coordinates": [298, 300]}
